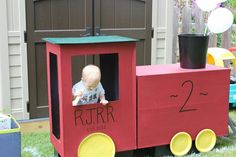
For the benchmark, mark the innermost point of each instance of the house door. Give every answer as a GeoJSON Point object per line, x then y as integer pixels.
{"type": "Point", "coordinates": [73, 18]}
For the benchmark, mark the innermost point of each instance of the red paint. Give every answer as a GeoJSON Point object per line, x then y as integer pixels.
{"type": "Point", "coordinates": [118, 119]}
{"type": "Point", "coordinates": [171, 100]}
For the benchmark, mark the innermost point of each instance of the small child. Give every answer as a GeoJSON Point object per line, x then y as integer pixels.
{"type": "Point", "coordinates": [89, 89]}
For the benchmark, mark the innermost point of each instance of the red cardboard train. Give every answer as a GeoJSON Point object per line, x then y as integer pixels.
{"type": "Point", "coordinates": [149, 106]}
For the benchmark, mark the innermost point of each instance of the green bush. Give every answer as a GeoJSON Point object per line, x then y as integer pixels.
{"type": "Point", "coordinates": [233, 38]}
{"type": "Point", "coordinates": [232, 3]}
{"type": "Point", "coordinates": [219, 39]}
{"type": "Point", "coordinates": [235, 18]}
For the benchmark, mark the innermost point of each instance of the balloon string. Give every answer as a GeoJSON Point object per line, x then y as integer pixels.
{"type": "Point", "coordinates": [205, 32]}
{"type": "Point", "coordinates": [206, 28]}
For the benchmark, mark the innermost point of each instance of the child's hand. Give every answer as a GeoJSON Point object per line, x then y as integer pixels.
{"type": "Point", "coordinates": [77, 98]}
{"type": "Point", "coordinates": [104, 102]}
{"type": "Point", "coordinates": [75, 101]}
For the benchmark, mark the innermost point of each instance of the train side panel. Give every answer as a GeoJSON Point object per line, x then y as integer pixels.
{"type": "Point", "coordinates": [171, 100]}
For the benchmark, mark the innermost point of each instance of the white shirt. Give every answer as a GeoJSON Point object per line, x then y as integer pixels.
{"type": "Point", "coordinates": [89, 96]}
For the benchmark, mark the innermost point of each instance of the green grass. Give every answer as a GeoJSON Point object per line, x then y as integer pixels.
{"type": "Point", "coordinates": [33, 147]}
{"type": "Point", "coordinates": [232, 114]}
{"type": "Point", "coordinates": [38, 145]}
{"type": "Point", "coordinates": [225, 147]}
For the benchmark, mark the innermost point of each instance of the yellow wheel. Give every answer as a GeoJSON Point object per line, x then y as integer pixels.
{"type": "Point", "coordinates": [96, 145]}
{"type": "Point", "coordinates": [205, 140]}
{"type": "Point", "coordinates": [180, 144]}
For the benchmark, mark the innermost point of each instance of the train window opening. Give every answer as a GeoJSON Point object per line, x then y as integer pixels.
{"type": "Point", "coordinates": [88, 89]}
{"type": "Point", "coordinates": [55, 108]}
{"type": "Point", "coordinates": [110, 75]}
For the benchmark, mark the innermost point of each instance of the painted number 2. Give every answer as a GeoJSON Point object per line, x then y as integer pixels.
{"type": "Point", "coordinates": [183, 108]}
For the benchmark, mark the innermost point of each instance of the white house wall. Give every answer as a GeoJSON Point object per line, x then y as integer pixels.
{"type": "Point", "coordinates": [17, 58]}
{"type": "Point", "coordinates": [162, 24]}
{"type": "Point", "coordinates": [4, 61]}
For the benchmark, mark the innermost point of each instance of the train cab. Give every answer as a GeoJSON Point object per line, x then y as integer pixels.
{"type": "Point", "coordinates": [104, 129]}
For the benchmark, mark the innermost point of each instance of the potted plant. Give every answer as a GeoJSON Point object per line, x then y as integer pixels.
{"type": "Point", "coordinates": [193, 47]}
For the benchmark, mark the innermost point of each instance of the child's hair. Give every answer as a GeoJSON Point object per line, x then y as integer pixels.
{"type": "Point", "coordinates": [91, 72]}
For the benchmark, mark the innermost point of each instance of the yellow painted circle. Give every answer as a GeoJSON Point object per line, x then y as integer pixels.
{"type": "Point", "coordinates": [96, 145]}
{"type": "Point", "coordinates": [180, 144]}
{"type": "Point", "coordinates": [205, 140]}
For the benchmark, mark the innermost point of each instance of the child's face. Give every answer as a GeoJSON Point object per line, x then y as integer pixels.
{"type": "Point", "coordinates": [91, 84]}
{"type": "Point", "coordinates": [91, 76]}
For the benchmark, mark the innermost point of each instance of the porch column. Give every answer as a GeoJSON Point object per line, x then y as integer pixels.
{"type": "Point", "coordinates": [4, 61]}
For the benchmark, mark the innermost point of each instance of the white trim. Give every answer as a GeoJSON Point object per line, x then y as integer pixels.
{"type": "Point", "coordinates": [154, 26]}
{"type": "Point", "coordinates": [169, 32]}
{"type": "Point", "coordinates": [162, 41]}
{"type": "Point", "coordinates": [23, 49]}
{"type": "Point", "coordinates": [4, 61]}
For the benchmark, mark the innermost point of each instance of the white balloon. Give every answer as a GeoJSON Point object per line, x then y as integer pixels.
{"type": "Point", "coordinates": [220, 20]}
{"type": "Point", "coordinates": [207, 5]}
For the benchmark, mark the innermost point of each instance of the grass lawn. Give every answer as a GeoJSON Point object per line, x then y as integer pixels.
{"type": "Point", "coordinates": [225, 147]}
{"type": "Point", "coordinates": [232, 114]}
{"type": "Point", "coordinates": [37, 144]}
